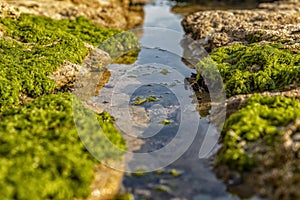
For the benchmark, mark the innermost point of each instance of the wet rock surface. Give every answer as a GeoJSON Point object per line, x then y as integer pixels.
{"type": "Point", "coordinates": [106, 181]}
{"type": "Point", "coordinates": [111, 13]}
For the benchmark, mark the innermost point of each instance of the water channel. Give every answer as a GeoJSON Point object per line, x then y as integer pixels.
{"type": "Point", "coordinates": [152, 101]}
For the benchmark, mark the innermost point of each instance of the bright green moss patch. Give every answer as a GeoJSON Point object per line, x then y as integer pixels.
{"type": "Point", "coordinates": [254, 68]}
{"type": "Point", "coordinates": [41, 154]}
{"type": "Point", "coordinates": [24, 68]}
{"type": "Point", "coordinates": [44, 30]}
{"type": "Point", "coordinates": [39, 45]}
{"type": "Point", "coordinates": [261, 121]}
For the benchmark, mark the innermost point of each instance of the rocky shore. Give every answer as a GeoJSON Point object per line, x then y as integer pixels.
{"type": "Point", "coordinates": [41, 59]}
{"type": "Point", "coordinates": [48, 55]}
{"type": "Point", "coordinates": [270, 22]}
{"type": "Point", "coordinates": [260, 149]}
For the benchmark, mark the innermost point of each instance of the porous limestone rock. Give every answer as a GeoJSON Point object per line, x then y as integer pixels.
{"type": "Point", "coordinates": [278, 22]}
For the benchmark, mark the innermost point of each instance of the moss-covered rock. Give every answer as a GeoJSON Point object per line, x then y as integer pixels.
{"type": "Point", "coordinates": [255, 51]}
{"type": "Point", "coordinates": [34, 47]}
{"type": "Point", "coordinates": [44, 30]}
{"type": "Point", "coordinates": [262, 140]}
{"type": "Point", "coordinates": [262, 118]}
{"type": "Point", "coordinates": [254, 68]}
{"type": "Point", "coordinates": [41, 154]}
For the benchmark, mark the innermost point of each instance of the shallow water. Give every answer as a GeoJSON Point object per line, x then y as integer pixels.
{"type": "Point", "coordinates": [183, 171]}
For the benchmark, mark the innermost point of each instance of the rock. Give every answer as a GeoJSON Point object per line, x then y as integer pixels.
{"type": "Point", "coordinates": [276, 161]}
{"type": "Point", "coordinates": [279, 169]}
{"type": "Point", "coordinates": [86, 79]}
{"type": "Point", "coordinates": [270, 22]}
{"type": "Point", "coordinates": [91, 75]}
{"type": "Point", "coordinates": [106, 181]}
{"type": "Point", "coordinates": [233, 104]}
{"type": "Point", "coordinates": [275, 173]}
{"type": "Point", "coordinates": [236, 102]}
{"type": "Point", "coordinates": [65, 76]}
{"type": "Point", "coordinates": [8, 11]}
{"type": "Point", "coordinates": [192, 6]}
{"type": "Point", "coordinates": [107, 13]}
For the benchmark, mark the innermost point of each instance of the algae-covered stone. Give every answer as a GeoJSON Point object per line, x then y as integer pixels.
{"type": "Point", "coordinates": [261, 140]}
{"type": "Point", "coordinates": [32, 48]}
{"type": "Point", "coordinates": [254, 68]}
{"type": "Point", "coordinates": [41, 154]}
{"type": "Point", "coordinates": [261, 118]}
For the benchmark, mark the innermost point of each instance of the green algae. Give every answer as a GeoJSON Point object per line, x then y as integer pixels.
{"type": "Point", "coordinates": [163, 188]}
{"type": "Point", "coordinates": [128, 58]}
{"type": "Point", "coordinates": [165, 122]}
{"type": "Point", "coordinates": [123, 44]}
{"type": "Point", "coordinates": [24, 68]}
{"type": "Point", "coordinates": [139, 100]}
{"type": "Point", "coordinates": [41, 154]}
{"type": "Point", "coordinates": [139, 172]}
{"type": "Point", "coordinates": [175, 173]}
{"type": "Point", "coordinates": [34, 47]}
{"type": "Point", "coordinates": [254, 68]}
{"type": "Point", "coordinates": [257, 36]}
{"type": "Point", "coordinates": [44, 30]}
{"type": "Point", "coordinates": [126, 196]}
{"type": "Point", "coordinates": [262, 120]}
{"type": "Point", "coordinates": [164, 71]}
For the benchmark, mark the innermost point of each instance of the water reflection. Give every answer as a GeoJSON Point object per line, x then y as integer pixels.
{"type": "Point", "coordinates": [163, 56]}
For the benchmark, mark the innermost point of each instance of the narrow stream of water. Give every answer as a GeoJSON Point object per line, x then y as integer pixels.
{"type": "Point", "coordinates": [152, 100]}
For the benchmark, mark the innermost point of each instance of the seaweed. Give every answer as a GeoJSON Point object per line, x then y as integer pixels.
{"type": "Point", "coordinates": [254, 68]}
{"type": "Point", "coordinates": [41, 154]}
{"type": "Point", "coordinates": [34, 47]}
{"type": "Point", "coordinates": [262, 119]}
